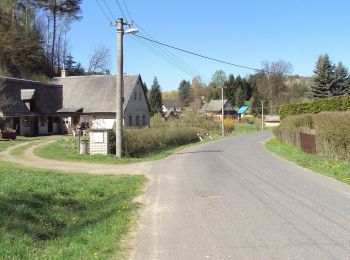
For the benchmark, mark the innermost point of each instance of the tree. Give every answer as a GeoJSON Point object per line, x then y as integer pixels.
{"type": "Point", "coordinates": [230, 88]}
{"type": "Point", "coordinates": [341, 86]}
{"type": "Point", "coordinates": [256, 103]}
{"type": "Point", "coordinates": [218, 81]}
{"type": "Point", "coordinates": [239, 97]}
{"type": "Point", "coordinates": [57, 9]}
{"type": "Point", "coordinates": [247, 91]}
{"type": "Point", "coordinates": [324, 78]}
{"type": "Point", "coordinates": [185, 94]}
{"type": "Point", "coordinates": [72, 67]}
{"type": "Point", "coordinates": [20, 45]}
{"type": "Point", "coordinates": [199, 89]}
{"type": "Point", "coordinates": [155, 97]}
{"type": "Point", "coordinates": [99, 60]}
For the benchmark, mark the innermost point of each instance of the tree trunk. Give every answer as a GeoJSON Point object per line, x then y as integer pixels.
{"type": "Point", "coordinates": [54, 13]}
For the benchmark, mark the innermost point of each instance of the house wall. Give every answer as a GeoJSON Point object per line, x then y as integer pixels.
{"type": "Point", "coordinates": [174, 109]}
{"type": "Point", "coordinates": [43, 130]}
{"type": "Point", "coordinates": [137, 108]}
{"type": "Point", "coordinates": [25, 126]}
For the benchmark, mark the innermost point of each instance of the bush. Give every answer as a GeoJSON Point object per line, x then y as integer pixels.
{"type": "Point", "coordinates": [140, 142]}
{"type": "Point", "coordinates": [333, 134]}
{"type": "Point", "coordinates": [316, 106]}
{"type": "Point", "coordinates": [332, 130]}
{"type": "Point", "coordinates": [286, 131]}
{"type": "Point", "coordinates": [229, 125]}
{"type": "Point", "coordinates": [257, 123]}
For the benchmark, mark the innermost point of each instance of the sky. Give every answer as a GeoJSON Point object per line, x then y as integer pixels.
{"type": "Point", "coordinates": [245, 32]}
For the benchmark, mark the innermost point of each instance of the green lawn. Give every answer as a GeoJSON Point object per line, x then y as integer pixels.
{"type": "Point", "coordinates": [67, 149]}
{"type": "Point", "coordinates": [339, 170]}
{"type": "Point", "coordinates": [50, 215]}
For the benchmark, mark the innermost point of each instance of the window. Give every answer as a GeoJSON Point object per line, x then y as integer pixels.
{"type": "Point", "coordinates": [130, 120]}
{"type": "Point", "coordinates": [144, 120]}
{"type": "Point", "coordinates": [137, 120]}
{"type": "Point", "coordinates": [139, 95]}
{"type": "Point", "coordinates": [135, 95]}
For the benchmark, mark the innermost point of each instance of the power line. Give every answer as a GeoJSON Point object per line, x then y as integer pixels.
{"type": "Point", "coordinates": [158, 53]}
{"type": "Point", "coordinates": [103, 11]}
{"type": "Point", "coordinates": [121, 9]}
{"type": "Point", "coordinates": [205, 57]}
{"type": "Point", "coordinates": [109, 10]}
{"type": "Point", "coordinates": [167, 52]}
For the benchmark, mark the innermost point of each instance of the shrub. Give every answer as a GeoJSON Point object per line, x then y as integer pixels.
{"type": "Point", "coordinates": [316, 106]}
{"type": "Point", "coordinates": [286, 131]}
{"type": "Point", "coordinates": [333, 134]}
{"type": "Point", "coordinates": [257, 123]}
{"type": "Point", "coordinates": [229, 125]}
{"type": "Point", "coordinates": [140, 142]}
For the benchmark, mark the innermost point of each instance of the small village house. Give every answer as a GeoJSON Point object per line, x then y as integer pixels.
{"type": "Point", "coordinates": [213, 109]}
{"type": "Point", "coordinates": [31, 107]}
{"type": "Point", "coordinates": [171, 105]}
{"type": "Point", "coordinates": [90, 100]}
{"type": "Point", "coordinates": [196, 104]}
{"type": "Point", "coordinates": [244, 112]}
{"type": "Point", "coordinates": [272, 120]}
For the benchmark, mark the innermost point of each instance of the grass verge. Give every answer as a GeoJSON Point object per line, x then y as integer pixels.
{"type": "Point", "coordinates": [50, 215]}
{"type": "Point", "coordinates": [67, 149]}
{"type": "Point", "coordinates": [339, 170]}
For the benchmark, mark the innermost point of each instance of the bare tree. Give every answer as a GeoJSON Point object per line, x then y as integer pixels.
{"type": "Point", "coordinates": [99, 60]}
{"type": "Point", "coordinates": [4, 100]}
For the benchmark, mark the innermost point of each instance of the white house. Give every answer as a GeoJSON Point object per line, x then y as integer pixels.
{"type": "Point", "coordinates": [91, 100]}
{"type": "Point", "coordinates": [171, 105]}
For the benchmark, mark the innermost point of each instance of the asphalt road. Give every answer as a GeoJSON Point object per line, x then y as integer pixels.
{"type": "Point", "coordinates": [232, 199]}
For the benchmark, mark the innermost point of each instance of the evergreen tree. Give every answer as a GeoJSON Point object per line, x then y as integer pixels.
{"type": "Point", "coordinates": [341, 86]}
{"type": "Point", "coordinates": [324, 78]}
{"type": "Point", "coordinates": [155, 97]}
{"type": "Point", "coordinates": [246, 89]}
{"type": "Point", "coordinates": [230, 89]}
{"type": "Point", "coordinates": [239, 97]}
{"type": "Point", "coordinates": [256, 103]}
{"type": "Point", "coordinates": [184, 92]}
{"type": "Point", "coordinates": [72, 67]}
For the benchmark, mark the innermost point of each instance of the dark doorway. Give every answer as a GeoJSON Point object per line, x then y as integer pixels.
{"type": "Point", "coordinates": [16, 125]}
{"type": "Point", "coordinates": [49, 125]}
{"type": "Point", "coordinates": [35, 126]}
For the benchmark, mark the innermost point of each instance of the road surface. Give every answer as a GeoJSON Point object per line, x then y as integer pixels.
{"type": "Point", "coordinates": [232, 199]}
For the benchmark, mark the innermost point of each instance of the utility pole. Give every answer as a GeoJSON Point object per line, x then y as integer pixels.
{"type": "Point", "coordinates": [120, 85]}
{"type": "Point", "coordinates": [119, 91]}
{"type": "Point", "coordinates": [262, 115]}
{"type": "Point", "coordinates": [222, 112]}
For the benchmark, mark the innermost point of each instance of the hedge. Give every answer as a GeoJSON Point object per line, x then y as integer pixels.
{"type": "Point", "coordinates": [140, 142]}
{"type": "Point", "coordinates": [332, 131]}
{"type": "Point", "coordinates": [316, 106]}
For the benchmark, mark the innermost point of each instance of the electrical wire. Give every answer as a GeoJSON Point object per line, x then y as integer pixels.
{"type": "Point", "coordinates": [109, 10]}
{"type": "Point", "coordinates": [121, 9]}
{"type": "Point", "coordinates": [103, 11]}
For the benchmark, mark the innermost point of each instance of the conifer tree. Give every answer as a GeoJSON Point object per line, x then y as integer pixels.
{"type": "Point", "coordinates": [184, 92]}
{"type": "Point", "coordinates": [239, 97]}
{"type": "Point", "coordinates": [341, 86]}
{"type": "Point", "coordinates": [230, 89]}
{"type": "Point", "coordinates": [324, 78]}
{"type": "Point", "coordinates": [155, 97]}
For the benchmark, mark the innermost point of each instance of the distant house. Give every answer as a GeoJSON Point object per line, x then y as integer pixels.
{"type": "Point", "coordinates": [31, 108]}
{"type": "Point", "coordinates": [213, 108]}
{"type": "Point", "coordinates": [171, 105]}
{"type": "Point", "coordinates": [91, 100]}
{"type": "Point", "coordinates": [244, 112]}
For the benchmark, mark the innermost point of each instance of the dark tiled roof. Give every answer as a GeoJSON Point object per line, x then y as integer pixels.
{"type": "Point", "coordinates": [48, 97]}
{"type": "Point", "coordinates": [171, 103]}
{"type": "Point", "coordinates": [95, 93]}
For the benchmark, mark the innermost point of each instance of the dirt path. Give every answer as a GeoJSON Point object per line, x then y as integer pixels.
{"type": "Point", "coordinates": [29, 159]}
